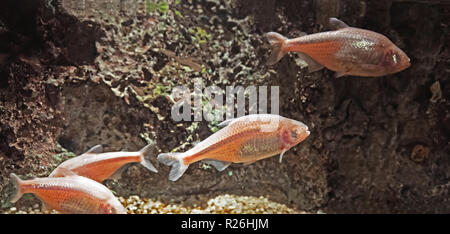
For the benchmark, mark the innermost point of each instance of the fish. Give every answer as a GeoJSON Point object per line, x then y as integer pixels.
{"type": "Point", "coordinates": [100, 166]}
{"type": "Point", "coordinates": [346, 50]}
{"type": "Point", "coordinates": [71, 194]}
{"type": "Point", "coordinates": [246, 140]}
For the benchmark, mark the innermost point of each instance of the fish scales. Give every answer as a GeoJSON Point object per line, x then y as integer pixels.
{"type": "Point", "coordinates": [260, 147]}
{"type": "Point", "coordinates": [69, 194]}
{"type": "Point", "coordinates": [218, 145]}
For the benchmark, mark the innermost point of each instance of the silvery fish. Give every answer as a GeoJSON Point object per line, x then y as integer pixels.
{"type": "Point", "coordinates": [99, 166]}
{"type": "Point", "coordinates": [242, 140]}
{"type": "Point", "coordinates": [347, 51]}
{"type": "Point", "coordinates": [70, 194]}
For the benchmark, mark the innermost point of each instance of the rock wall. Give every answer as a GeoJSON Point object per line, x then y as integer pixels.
{"type": "Point", "coordinates": [376, 144]}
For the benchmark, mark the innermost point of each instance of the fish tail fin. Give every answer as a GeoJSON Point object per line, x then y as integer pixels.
{"type": "Point", "coordinates": [176, 161]}
{"type": "Point", "coordinates": [278, 42]}
{"type": "Point", "coordinates": [17, 182]}
{"type": "Point", "coordinates": [145, 152]}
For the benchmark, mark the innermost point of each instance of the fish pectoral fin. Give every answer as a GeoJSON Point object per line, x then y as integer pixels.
{"type": "Point", "coordinates": [95, 150]}
{"type": "Point", "coordinates": [219, 165]}
{"type": "Point", "coordinates": [313, 65]}
{"type": "Point", "coordinates": [282, 154]}
{"type": "Point", "coordinates": [337, 24]}
{"type": "Point", "coordinates": [347, 69]}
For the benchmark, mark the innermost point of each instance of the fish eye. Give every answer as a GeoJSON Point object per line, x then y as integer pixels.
{"type": "Point", "coordinates": [294, 134]}
{"type": "Point", "coordinates": [395, 58]}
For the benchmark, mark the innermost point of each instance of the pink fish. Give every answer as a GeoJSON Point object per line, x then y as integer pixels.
{"type": "Point", "coordinates": [71, 194]}
{"type": "Point", "coordinates": [347, 50]}
{"type": "Point", "coordinates": [242, 140]}
{"type": "Point", "coordinates": [100, 166]}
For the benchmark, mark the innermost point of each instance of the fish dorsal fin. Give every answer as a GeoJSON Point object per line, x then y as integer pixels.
{"type": "Point", "coordinates": [302, 34]}
{"type": "Point", "coordinates": [225, 123]}
{"type": "Point", "coordinates": [337, 24]}
{"type": "Point", "coordinates": [195, 143]}
{"type": "Point", "coordinates": [64, 172]}
{"type": "Point", "coordinates": [95, 150]}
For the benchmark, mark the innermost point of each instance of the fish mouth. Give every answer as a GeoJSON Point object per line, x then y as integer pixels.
{"type": "Point", "coordinates": [307, 130]}
{"type": "Point", "coordinates": [408, 63]}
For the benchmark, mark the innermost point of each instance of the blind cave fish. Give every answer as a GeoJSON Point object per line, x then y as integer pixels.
{"type": "Point", "coordinates": [347, 51]}
{"type": "Point", "coordinates": [99, 166]}
{"type": "Point", "coordinates": [71, 194]}
{"type": "Point", "coordinates": [241, 140]}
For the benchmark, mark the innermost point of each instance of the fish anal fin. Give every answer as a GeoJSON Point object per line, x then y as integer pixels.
{"type": "Point", "coordinates": [337, 24]}
{"type": "Point", "coordinates": [118, 174]}
{"type": "Point", "coordinates": [313, 65]}
{"type": "Point", "coordinates": [219, 165]}
{"type": "Point", "coordinates": [282, 154]}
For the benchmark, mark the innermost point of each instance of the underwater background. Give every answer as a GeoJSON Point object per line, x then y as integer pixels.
{"type": "Point", "coordinates": [74, 74]}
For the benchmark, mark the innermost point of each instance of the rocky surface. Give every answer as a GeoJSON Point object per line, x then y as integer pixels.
{"type": "Point", "coordinates": [76, 77]}
{"type": "Point", "coordinates": [223, 204]}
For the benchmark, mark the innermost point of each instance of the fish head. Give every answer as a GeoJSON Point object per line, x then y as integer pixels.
{"type": "Point", "coordinates": [395, 60]}
{"type": "Point", "coordinates": [295, 132]}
